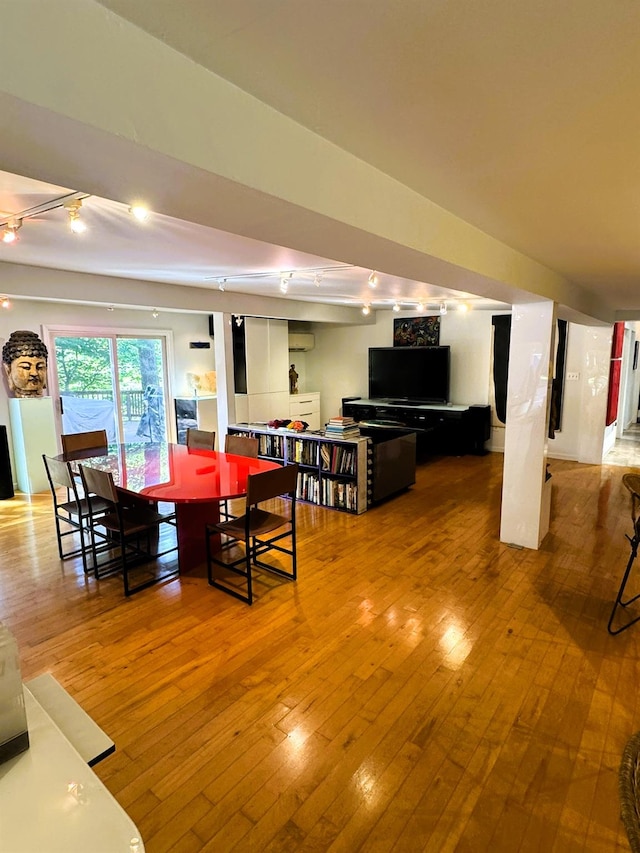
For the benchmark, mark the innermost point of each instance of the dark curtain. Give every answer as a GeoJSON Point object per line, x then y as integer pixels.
{"type": "Point", "coordinates": [501, 341]}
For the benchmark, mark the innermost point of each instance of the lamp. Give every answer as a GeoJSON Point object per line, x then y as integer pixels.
{"type": "Point", "coordinates": [75, 223]}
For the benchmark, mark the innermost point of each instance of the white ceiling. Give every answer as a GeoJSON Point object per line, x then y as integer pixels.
{"type": "Point", "coordinates": [170, 250]}
{"type": "Point", "coordinates": [521, 118]}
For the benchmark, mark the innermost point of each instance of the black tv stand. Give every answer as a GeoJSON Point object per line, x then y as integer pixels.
{"type": "Point", "coordinates": [449, 429]}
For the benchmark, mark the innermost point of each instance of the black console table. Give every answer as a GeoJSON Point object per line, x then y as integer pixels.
{"type": "Point", "coordinates": [450, 429]}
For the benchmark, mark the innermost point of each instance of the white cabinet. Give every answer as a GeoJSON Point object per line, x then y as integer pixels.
{"type": "Point", "coordinates": [305, 407]}
{"type": "Point", "coordinates": [266, 369]}
{"type": "Point", "coordinates": [267, 355]}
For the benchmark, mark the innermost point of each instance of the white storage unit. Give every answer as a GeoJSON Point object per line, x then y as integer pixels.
{"type": "Point", "coordinates": [33, 432]}
{"type": "Point", "coordinates": [267, 371]}
{"type": "Point", "coordinates": [305, 407]}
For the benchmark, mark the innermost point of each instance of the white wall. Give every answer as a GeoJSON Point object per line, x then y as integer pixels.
{"type": "Point", "coordinates": [338, 366]}
{"type": "Point", "coordinates": [33, 315]}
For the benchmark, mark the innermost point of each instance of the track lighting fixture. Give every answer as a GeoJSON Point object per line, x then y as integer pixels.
{"type": "Point", "coordinates": [366, 310]}
{"type": "Point", "coordinates": [443, 308]}
{"type": "Point", "coordinates": [76, 224]}
{"type": "Point", "coordinates": [239, 321]}
{"type": "Point", "coordinates": [373, 279]}
{"type": "Point", "coordinates": [396, 306]}
{"type": "Point", "coordinates": [10, 232]}
{"type": "Point", "coordinates": [284, 284]}
{"type": "Point", "coordinates": [154, 313]}
{"type": "Point", "coordinates": [4, 302]}
{"type": "Point", "coordinates": [420, 306]}
{"type": "Point", "coordinates": [139, 212]}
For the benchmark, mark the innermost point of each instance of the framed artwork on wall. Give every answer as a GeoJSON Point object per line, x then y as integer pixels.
{"type": "Point", "coordinates": [416, 331]}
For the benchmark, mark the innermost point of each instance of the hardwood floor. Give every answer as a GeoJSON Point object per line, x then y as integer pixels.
{"type": "Point", "coordinates": [422, 687]}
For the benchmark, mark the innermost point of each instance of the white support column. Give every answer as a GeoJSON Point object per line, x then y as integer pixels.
{"type": "Point", "coordinates": [594, 389]}
{"type": "Point", "coordinates": [223, 347]}
{"type": "Point", "coordinates": [526, 493]}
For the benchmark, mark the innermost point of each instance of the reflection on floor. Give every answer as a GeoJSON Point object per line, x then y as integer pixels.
{"type": "Point", "coordinates": [626, 450]}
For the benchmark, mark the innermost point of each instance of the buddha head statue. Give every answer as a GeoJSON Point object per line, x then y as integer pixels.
{"type": "Point", "coordinates": [24, 357]}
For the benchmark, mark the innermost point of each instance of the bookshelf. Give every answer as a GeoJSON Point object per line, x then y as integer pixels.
{"type": "Point", "coordinates": [332, 472]}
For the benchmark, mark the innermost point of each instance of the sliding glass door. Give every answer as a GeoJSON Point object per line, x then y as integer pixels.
{"type": "Point", "coordinates": [113, 381]}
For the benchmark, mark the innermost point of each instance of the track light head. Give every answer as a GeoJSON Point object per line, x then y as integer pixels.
{"type": "Point", "coordinates": [372, 281]}
{"type": "Point", "coordinates": [76, 224]}
{"type": "Point", "coordinates": [139, 212]}
{"type": "Point", "coordinates": [10, 232]}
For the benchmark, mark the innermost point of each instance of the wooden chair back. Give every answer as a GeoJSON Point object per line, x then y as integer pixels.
{"type": "Point", "coordinates": [75, 441]}
{"type": "Point", "coordinates": [241, 445]}
{"type": "Point", "coordinates": [99, 483]}
{"type": "Point", "coordinates": [59, 474]}
{"type": "Point", "coordinates": [201, 439]}
{"type": "Point", "coordinates": [272, 484]}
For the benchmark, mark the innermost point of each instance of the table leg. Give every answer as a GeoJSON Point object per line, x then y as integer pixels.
{"type": "Point", "coordinates": [191, 519]}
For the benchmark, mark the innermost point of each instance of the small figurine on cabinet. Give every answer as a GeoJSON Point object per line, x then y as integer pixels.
{"type": "Point", "coordinates": [293, 380]}
{"type": "Point", "coordinates": [24, 357]}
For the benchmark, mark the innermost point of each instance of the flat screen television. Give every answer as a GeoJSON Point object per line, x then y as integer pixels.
{"type": "Point", "coordinates": [409, 374]}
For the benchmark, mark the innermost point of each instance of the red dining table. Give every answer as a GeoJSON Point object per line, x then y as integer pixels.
{"type": "Point", "coordinates": [194, 480]}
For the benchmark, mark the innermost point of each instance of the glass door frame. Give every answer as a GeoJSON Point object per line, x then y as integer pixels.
{"type": "Point", "coordinates": [51, 332]}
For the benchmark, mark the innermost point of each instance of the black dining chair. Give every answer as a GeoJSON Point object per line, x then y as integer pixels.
{"type": "Point", "coordinates": [134, 531]}
{"type": "Point", "coordinates": [73, 515]}
{"type": "Point", "coordinates": [251, 531]}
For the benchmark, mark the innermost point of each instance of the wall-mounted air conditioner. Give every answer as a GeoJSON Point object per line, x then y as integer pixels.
{"type": "Point", "coordinates": [301, 341]}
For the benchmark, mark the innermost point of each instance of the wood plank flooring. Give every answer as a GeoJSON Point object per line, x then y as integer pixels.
{"type": "Point", "coordinates": [422, 687]}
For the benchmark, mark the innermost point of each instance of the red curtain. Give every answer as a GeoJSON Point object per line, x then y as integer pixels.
{"type": "Point", "coordinates": [615, 371]}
